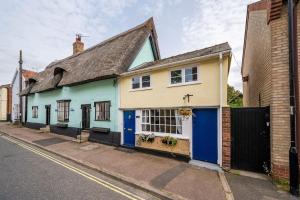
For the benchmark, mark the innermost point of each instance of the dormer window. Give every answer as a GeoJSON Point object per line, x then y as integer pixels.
{"type": "Point", "coordinates": [58, 74]}
{"type": "Point", "coordinates": [139, 82]}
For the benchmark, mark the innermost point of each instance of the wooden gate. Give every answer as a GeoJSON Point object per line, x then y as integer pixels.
{"type": "Point", "coordinates": [250, 139]}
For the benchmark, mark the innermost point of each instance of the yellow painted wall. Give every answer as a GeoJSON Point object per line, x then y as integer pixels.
{"type": "Point", "coordinates": [3, 103]}
{"type": "Point", "coordinates": [206, 93]}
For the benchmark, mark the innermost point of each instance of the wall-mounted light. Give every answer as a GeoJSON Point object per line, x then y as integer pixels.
{"type": "Point", "coordinates": [72, 109]}
{"type": "Point", "coordinates": [55, 110]}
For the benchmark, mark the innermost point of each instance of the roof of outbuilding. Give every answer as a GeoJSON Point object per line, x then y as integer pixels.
{"type": "Point", "coordinates": [107, 59]}
{"type": "Point", "coordinates": [189, 55]}
{"type": "Point", "coordinates": [28, 73]}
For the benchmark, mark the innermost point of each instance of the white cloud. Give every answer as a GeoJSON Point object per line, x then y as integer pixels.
{"type": "Point", "coordinates": [215, 22]}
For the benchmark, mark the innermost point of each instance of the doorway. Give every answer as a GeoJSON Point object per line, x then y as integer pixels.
{"type": "Point", "coordinates": [129, 128]}
{"type": "Point", "coordinates": [48, 114]}
{"type": "Point", "coordinates": [85, 108]}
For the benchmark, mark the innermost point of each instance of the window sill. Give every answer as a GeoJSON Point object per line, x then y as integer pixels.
{"type": "Point", "coordinates": [184, 84]}
{"type": "Point", "coordinates": [140, 89]}
{"type": "Point", "coordinates": [177, 136]}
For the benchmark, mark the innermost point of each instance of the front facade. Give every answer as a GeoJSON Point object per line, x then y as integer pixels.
{"type": "Point", "coordinates": [265, 72]}
{"type": "Point", "coordinates": [5, 102]}
{"type": "Point", "coordinates": [81, 92]}
{"type": "Point", "coordinates": [120, 91]}
{"type": "Point", "coordinates": [76, 106]}
{"type": "Point", "coordinates": [154, 96]}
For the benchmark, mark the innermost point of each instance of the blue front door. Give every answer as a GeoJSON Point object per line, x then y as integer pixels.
{"type": "Point", "coordinates": [205, 135]}
{"type": "Point", "coordinates": [129, 128]}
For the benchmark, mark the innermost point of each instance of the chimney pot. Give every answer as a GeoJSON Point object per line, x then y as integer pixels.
{"type": "Point", "coordinates": [78, 46]}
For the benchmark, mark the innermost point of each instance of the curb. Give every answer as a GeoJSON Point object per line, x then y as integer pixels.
{"type": "Point", "coordinates": [161, 194]}
{"type": "Point", "coordinates": [226, 187]}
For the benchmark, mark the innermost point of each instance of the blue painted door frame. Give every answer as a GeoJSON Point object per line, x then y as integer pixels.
{"type": "Point", "coordinates": [205, 135]}
{"type": "Point", "coordinates": [129, 128]}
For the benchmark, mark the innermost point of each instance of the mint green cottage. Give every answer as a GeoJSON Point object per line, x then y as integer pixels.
{"type": "Point", "coordinates": [81, 92]}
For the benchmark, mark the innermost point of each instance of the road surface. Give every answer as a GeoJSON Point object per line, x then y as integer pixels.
{"type": "Point", "coordinates": [28, 173]}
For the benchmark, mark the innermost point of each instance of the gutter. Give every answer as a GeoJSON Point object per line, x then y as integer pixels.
{"type": "Point", "coordinates": [220, 112]}
{"type": "Point", "coordinates": [166, 65]}
{"type": "Point", "coordinates": [293, 77]}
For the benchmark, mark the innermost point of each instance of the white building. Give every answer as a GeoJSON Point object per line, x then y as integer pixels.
{"type": "Point", "coordinates": [26, 74]}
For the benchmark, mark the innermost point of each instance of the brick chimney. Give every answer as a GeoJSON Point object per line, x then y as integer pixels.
{"type": "Point", "coordinates": [78, 46]}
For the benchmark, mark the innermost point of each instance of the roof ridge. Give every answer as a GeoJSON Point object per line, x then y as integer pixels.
{"type": "Point", "coordinates": [142, 25]}
{"type": "Point", "coordinates": [181, 54]}
{"type": "Point", "coordinates": [193, 51]}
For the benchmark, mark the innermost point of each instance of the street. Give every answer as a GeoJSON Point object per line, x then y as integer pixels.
{"type": "Point", "coordinates": [30, 173]}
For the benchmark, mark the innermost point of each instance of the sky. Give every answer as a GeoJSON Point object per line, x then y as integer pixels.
{"type": "Point", "coordinates": [46, 29]}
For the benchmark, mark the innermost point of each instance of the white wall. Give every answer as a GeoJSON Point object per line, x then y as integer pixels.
{"type": "Point", "coordinates": [15, 98]}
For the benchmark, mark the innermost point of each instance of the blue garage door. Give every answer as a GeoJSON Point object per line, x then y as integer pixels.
{"type": "Point", "coordinates": [129, 128]}
{"type": "Point", "coordinates": [205, 135]}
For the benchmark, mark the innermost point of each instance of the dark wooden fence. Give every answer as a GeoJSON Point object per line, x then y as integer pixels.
{"type": "Point", "coordinates": [250, 139]}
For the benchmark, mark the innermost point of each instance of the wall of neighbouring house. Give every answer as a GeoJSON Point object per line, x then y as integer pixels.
{"type": "Point", "coordinates": [3, 103]}
{"type": "Point", "coordinates": [145, 55]}
{"type": "Point", "coordinates": [280, 109]}
{"type": "Point", "coordinates": [257, 61]}
{"type": "Point", "coordinates": [104, 90]}
{"type": "Point", "coordinates": [161, 94]}
{"type": "Point", "coordinates": [16, 99]}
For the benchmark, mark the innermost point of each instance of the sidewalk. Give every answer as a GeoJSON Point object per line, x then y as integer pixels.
{"type": "Point", "coordinates": [167, 177]}
{"type": "Point", "coordinates": [248, 188]}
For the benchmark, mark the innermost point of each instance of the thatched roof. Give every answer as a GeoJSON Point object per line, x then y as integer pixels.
{"type": "Point", "coordinates": [105, 60]}
{"type": "Point", "coordinates": [185, 56]}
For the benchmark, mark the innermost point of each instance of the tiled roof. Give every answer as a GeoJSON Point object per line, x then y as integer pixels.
{"type": "Point", "coordinates": [28, 73]}
{"type": "Point", "coordinates": [193, 54]}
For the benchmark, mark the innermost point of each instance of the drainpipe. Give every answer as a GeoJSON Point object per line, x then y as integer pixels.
{"type": "Point", "coordinates": [220, 112]}
{"type": "Point", "coordinates": [293, 154]}
{"type": "Point", "coordinates": [20, 86]}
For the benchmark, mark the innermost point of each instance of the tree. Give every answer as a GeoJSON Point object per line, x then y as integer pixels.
{"type": "Point", "coordinates": [235, 97]}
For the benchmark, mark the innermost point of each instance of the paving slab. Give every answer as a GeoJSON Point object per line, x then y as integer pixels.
{"type": "Point", "coordinates": [49, 141]}
{"type": "Point", "coordinates": [248, 188]}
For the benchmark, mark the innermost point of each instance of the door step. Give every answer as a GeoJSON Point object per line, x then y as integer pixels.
{"type": "Point", "coordinates": [84, 137]}
{"type": "Point", "coordinates": [45, 129]}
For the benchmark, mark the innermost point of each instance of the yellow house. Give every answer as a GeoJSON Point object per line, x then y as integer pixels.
{"type": "Point", "coordinates": [175, 104]}
{"type": "Point", "coordinates": [5, 102]}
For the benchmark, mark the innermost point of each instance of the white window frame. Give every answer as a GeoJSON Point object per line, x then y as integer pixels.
{"type": "Point", "coordinates": [183, 76]}
{"type": "Point", "coordinates": [178, 119]}
{"type": "Point", "coordinates": [141, 83]}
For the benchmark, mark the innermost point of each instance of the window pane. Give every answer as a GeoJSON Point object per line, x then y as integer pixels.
{"type": "Point", "coordinates": [176, 77]}
{"type": "Point", "coordinates": [135, 82]}
{"type": "Point", "coordinates": [173, 129]}
{"type": "Point", "coordinates": [145, 81]}
{"type": "Point", "coordinates": [191, 74]}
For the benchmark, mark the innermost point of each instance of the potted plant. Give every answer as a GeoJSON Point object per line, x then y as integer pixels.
{"type": "Point", "coordinates": [168, 140]}
{"type": "Point", "coordinates": [146, 138]}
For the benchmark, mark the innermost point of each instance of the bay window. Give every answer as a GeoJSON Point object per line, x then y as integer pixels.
{"type": "Point", "coordinates": [161, 121]}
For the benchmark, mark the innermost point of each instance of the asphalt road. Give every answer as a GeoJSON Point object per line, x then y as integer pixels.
{"type": "Point", "coordinates": [27, 174]}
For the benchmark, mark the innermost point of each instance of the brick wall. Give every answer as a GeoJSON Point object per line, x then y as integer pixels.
{"type": "Point", "coordinates": [280, 118]}
{"type": "Point", "coordinates": [226, 138]}
{"type": "Point", "coordinates": [257, 60]}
